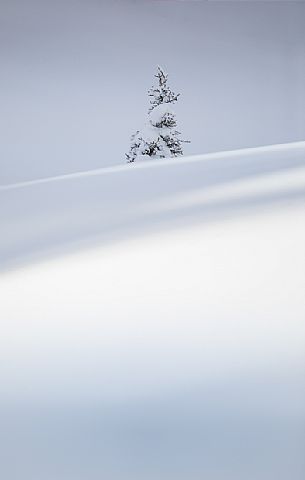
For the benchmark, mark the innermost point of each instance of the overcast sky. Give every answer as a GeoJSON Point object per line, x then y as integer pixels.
{"type": "Point", "coordinates": [75, 75]}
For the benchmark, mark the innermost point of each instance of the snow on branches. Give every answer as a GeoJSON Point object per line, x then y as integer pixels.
{"type": "Point", "coordinates": [159, 138]}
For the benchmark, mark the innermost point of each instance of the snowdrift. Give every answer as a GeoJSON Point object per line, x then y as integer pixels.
{"type": "Point", "coordinates": [152, 320]}
{"type": "Point", "coordinates": [52, 214]}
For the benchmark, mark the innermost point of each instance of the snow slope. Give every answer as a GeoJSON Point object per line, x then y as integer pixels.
{"type": "Point", "coordinates": [160, 331]}
{"type": "Point", "coordinates": [109, 204]}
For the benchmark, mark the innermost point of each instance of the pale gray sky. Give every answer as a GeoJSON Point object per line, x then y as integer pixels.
{"type": "Point", "coordinates": [75, 75]}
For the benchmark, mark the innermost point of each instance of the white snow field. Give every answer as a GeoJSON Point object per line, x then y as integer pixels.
{"type": "Point", "coordinates": [153, 320]}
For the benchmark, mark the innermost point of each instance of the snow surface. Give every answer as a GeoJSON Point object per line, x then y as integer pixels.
{"type": "Point", "coordinates": [152, 320]}
{"type": "Point", "coordinates": [52, 214]}
{"type": "Point", "coordinates": [152, 315]}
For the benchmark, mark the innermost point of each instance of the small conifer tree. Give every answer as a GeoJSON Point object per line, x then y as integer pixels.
{"type": "Point", "coordinates": [159, 138]}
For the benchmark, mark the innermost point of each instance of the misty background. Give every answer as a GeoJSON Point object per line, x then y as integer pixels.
{"type": "Point", "coordinates": [75, 75]}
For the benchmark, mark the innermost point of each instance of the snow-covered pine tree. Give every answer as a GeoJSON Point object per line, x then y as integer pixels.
{"type": "Point", "coordinates": [159, 138]}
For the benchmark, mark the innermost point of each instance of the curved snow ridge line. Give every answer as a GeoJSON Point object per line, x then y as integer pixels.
{"type": "Point", "coordinates": [276, 183]}
{"type": "Point", "coordinates": [280, 147]}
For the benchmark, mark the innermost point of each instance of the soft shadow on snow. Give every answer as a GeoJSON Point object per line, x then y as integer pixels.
{"type": "Point", "coordinates": [42, 219]}
{"type": "Point", "coordinates": [173, 347]}
{"type": "Point", "coordinates": [173, 355]}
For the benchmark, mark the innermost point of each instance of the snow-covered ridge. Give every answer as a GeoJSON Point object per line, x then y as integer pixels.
{"type": "Point", "coordinates": [152, 345]}
{"type": "Point", "coordinates": [50, 215]}
{"type": "Point", "coordinates": [281, 147]}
